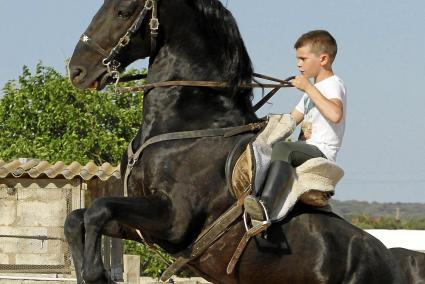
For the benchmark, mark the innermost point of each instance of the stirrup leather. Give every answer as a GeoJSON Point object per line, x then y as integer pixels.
{"type": "Point", "coordinates": [256, 220]}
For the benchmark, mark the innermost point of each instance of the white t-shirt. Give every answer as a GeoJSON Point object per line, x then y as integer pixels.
{"type": "Point", "coordinates": [319, 131]}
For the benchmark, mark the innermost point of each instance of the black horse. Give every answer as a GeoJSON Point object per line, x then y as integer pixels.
{"type": "Point", "coordinates": [177, 188]}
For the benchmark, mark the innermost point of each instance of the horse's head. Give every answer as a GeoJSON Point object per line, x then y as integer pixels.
{"type": "Point", "coordinates": [121, 32]}
{"type": "Point", "coordinates": [196, 40]}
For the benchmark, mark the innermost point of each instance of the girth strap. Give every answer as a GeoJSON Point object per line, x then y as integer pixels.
{"type": "Point", "coordinates": [214, 132]}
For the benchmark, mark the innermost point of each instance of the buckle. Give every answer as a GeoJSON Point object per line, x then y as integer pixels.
{"type": "Point", "coordinates": [148, 4]}
{"type": "Point", "coordinates": [132, 162]}
{"type": "Point", "coordinates": [124, 40]}
{"type": "Point", "coordinates": [154, 24]}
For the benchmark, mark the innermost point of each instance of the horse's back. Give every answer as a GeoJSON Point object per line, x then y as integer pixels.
{"type": "Point", "coordinates": [307, 247]}
{"type": "Point", "coordinates": [412, 264]}
{"type": "Point", "coordinates": [336, 251]}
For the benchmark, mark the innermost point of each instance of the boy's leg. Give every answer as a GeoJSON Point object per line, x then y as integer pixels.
{"type": "Point", "coordinates": [295, 153]}
{"type": "Point", "coordinates": [285, 156]}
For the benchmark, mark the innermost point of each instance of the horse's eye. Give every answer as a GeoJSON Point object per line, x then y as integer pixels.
{"type": "Point", "coordinates": [126, 8]}
{"type": "Point", "coordinates": [124, 14]}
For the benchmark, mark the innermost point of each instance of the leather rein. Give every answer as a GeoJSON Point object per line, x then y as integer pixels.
{"type": "Point", "coordinates": [210, 84]}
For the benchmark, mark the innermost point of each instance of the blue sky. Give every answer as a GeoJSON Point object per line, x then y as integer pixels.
{"type": "Point", "coordinates": [381, 58]}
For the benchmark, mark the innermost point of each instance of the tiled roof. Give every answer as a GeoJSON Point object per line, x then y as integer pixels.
{"type": "Point", "coordinates": [36, 168]}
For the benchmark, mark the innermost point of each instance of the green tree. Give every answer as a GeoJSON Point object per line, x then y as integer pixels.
{"type": "Point", "coordinates": [43, 116]}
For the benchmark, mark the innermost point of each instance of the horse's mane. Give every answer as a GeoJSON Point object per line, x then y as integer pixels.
{"type": "Point", "coordinates": [221, 27]}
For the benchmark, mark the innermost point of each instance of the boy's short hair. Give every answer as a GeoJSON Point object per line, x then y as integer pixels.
{"type": "Point", "coordinates": [321, 41]}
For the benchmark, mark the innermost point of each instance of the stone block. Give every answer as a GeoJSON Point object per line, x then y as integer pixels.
{"type": "Point", "coordinates": [4, 259]}
{"type": "Point", "coordinates": [7, 212]}
{"type": "Point", "coordinates": [43, 194]}
{"type": "Point", "coordinates": [40, 213]}
{"type": "Point", "coordinates": [55, 246]}
{"type": "Point", "coordinates": [13, 245]}
{"type": "Point", "coordinates": [41, 258]}
{"type": "Point", "coordinates": [8, 246]}
{"type": "Point", "coordinates": [131, 269]}
{"type": "Point", "coordinates": [56, 232]}
{"type": "Point", "coordinates": [30, 246]}
{"type": "Point", "coordinates": [23, 231]}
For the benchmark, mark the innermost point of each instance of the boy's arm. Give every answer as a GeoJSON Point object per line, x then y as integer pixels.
{"type": "Point", "coordinates": [298, 116]}
{"type": "Point", "coordinates": [331, 109]}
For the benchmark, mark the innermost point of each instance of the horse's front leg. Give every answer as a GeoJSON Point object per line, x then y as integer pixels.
{"type": "Point", "coordinates": [74, 233]}
{"type": "Point", "coordinates": [150, 213]}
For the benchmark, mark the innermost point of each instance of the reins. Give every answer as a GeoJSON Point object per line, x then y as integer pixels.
{"type": "Point", "coordinates": [210, 84]}
{"type": "Point", "coordinates": [213, 84]}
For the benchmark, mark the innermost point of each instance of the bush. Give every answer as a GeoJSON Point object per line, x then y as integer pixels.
{"type": "Point", "coordinates": [151, 264]}
{"type": "Point", "coordinates": [370, 222]}
{"type": "Point", "coordinates": [43, 116]}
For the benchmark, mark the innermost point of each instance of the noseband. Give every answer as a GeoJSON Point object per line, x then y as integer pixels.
{"type": "Point", "coordinates": [109, 60]}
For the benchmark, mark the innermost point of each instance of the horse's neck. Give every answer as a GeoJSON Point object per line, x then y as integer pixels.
{"type": "Point", "coordinates": [186, 108]}
{"type": "Point", "coordinates": [171, 63]}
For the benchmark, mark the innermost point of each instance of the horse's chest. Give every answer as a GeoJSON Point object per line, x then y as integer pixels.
{"type": "Point", "coordinates": [191, 164]}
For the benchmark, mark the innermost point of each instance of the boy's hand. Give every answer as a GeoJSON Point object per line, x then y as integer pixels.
{"type": "Point", "coordinates": [301, 83]}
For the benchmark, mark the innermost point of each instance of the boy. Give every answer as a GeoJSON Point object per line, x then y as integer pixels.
{"type": "Point", "coordinates": [322, 113]}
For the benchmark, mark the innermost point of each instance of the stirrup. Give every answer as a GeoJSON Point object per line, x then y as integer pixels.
{"type": "Point", "coordinates": [255, 217]}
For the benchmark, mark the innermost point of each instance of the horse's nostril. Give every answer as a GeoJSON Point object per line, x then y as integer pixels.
{"type": "Point", "coordinates": [77, 74]}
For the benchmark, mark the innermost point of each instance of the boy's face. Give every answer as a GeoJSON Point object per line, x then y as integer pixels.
{"type": "Point", "coordinates": [309, 64]}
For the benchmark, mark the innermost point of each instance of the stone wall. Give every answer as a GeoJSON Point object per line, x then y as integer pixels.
{"type": "Point", "coordinates": [32, 214]}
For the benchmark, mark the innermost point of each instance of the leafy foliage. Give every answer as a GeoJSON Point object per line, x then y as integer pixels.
{"type": "Point", "coordinates": [374, 215]}
{"type": "Point", "coordinates": [370, 222]}
{"type": "Point", "coordinates": [355, 208]}
{"type": "Point", "coordinates": [152, 264]}
{"type": "Point", "coordinates": [43, 116]}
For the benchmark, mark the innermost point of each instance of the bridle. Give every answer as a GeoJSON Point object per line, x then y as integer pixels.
{"type": "Point", "coordinates": [112, 65]}
{"type": "Point", "coordinates": [109, 60]}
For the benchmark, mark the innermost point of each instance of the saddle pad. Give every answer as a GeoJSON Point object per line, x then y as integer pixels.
{"type": "Point", "coordinates": [313, 183]}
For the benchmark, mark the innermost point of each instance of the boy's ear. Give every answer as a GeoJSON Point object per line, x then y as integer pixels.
{"type": "Point", "coordinates": [324, 59]}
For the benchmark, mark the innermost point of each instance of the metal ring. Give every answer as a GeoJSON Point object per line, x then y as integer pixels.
{"type": "Point", "coordinates": [149, 4]}
{"type": "Point", "coordinates": [132, 162]}
{"type": "Point", "coordinates": [106, 62]}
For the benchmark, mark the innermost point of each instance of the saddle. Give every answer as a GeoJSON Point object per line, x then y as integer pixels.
{"type": "Point", "coordinates": [239, 166]}
{"type": "Point", "coordinates": [313, 183]}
